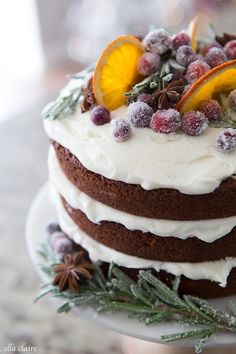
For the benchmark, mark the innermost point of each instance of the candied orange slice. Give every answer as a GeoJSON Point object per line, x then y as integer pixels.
{"type": "Point", "coordinates": [116, 71]}
{"type": "Point", "coordinates": [222, 78]}
{"type": "Point", "coordinates": [192, 31]}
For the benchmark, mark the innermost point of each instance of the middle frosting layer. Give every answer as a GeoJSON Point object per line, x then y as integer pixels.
{"type": "Point", "coordinates": [205, 230]}
{"type": "Point", "coordinates": [217, 271]}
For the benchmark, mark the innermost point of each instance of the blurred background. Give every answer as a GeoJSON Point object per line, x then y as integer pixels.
{"type": "Point", "coordinates": [41, 41]}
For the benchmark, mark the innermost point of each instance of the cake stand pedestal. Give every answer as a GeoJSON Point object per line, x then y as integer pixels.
{"type": "Point", "coordinates": [138, 338]}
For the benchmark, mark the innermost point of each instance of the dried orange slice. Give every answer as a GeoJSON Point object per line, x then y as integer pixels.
{"type": "Point", "coordinates": [116, 71]}
{"type": "Point", "coordinates": [222, 78]}
{"type": "Point", "coordinates": [193, 31]}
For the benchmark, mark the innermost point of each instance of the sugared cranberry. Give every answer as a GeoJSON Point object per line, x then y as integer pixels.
{"type": "Point", "coordinates": [185, 55]}
{"type": "Point", "coordinates": [158, 41]}
{"type": "Point", "coordinates": [211, 109]}
{"type": "Point", "coordinates": [226, 141]}
{"type": "Point", "coordinates": [166, 121]}
{"type": "Point", "coordinates": [208, 46]}
{"type": "Point", "coordinates": [195, 70]}
{"type": "Point", "coordinates": [53, 227]}
{"type": "Point", "coordinates": [178, 72]}
{"type": "Point", "coordinates": [148, 63]}
{"type": "Point", "coordinates": [144, 97]}
{"type": "Point", "coordinates": [232, 100]}
{"type": "Point", "coordinates": [139, 114]}
{"type": "Point", "coordinates": [56, 236]}
{"type": "Point", "coordinates": [179, 39]}
{"type": "Point", "coordinates": [63, 245]}
{"type": "Point", "coordinates": [230, 49]}
{"type": "Point", "coordinates": [121, 130]}
{"type": "Point", "coordinates": [194, 123]}
{"type": "Point", "coordinates": [215, 56]}
{"type": "Point", "coordinates": [100, 115]}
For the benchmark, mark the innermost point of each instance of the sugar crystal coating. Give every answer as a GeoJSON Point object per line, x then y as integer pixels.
{"type": "Point", "coordinates": [215, 57]}
{"type": "Point", "coordinates": [208, 46]}
{"type": "Point", "coordinates": [158, 41]}
{"type": "Point", "coordinates": [185, 55]}
{"type": "Point", "coordinates": [139, 114]}
{"type": "Point", "coordinates": [144, 97]}
{"type": "Point", "coordinates": [195, 70]}
{"type": "Point", "coordinates": [56, 236]}
{"type": "Point", "coordinates": [194, 123]}
{"type": "Point", "coordinates": [179, 39]}
{"type": "Point", "coordinates": [63, 245]}
{"type": "Point", "coordinates": [166, 121]}
{"type": "Point", "coordinates": [121, 130]}
{"type": "Point", "coordinates": [148, 63]}
{"type": "Point", "coordinates": [230, 49]}
{"type": "Point", "coordinates": [226, 141]}
{"type": "Point", "coordinates": [211, 109]}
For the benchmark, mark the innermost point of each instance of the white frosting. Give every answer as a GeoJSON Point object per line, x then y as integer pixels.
{"type": "Point", "coordinates": [191, 165]}
{"type": "Point", "coordinates": [206, 230]}
{"type": "Point", "coordinates": [217, 271]}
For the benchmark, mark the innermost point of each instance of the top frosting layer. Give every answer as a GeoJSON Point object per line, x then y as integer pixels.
{"type": "Point", "coordinates": [189, 164]}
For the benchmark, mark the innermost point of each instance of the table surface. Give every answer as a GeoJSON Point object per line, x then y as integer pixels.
{"type": "Point", "coordinates": [23, 147]}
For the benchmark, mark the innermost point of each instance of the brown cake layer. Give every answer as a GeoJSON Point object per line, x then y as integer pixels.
{"type": "Point", "coordinates": [150, 246]}
{"type": "Point", "coordinates": [201, 288]}
{"type": "Point", "coordinates": [161, 203]}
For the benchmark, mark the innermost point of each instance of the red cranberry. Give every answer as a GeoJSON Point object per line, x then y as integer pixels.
{"type": "Point", "coordinates": [195, 70]}
{"type": "Point", "coordinates": [226, 141]}
{"type": "Point", "coordinates": [121, 130]}
{"type": "Point", "coordinates": [211, 109]}
{"type": "Point", "coordinates": [185, 55]}
{"type": "Point", "coordinates": [148, 63]}
{"type": "Point", "coordinates": [230, 49]}
{"type": "Point", "coordinates": [215, 57]}
{"type": "Point", "coordinates": [100, 115]}
{"type": "Point", "coordinates": [194, 123]}
{"type": "Point", "coordinates": [166, 121]}
{"type": "Point", "coordinates": [179, 39]}
{"type": "Point", "coordinates": [139, 114]}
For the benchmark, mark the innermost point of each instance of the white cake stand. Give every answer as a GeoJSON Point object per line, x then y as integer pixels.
{"type": "Point", "coordinates": [40, 214]}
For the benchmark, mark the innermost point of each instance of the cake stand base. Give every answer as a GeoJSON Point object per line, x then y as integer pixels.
{"type": "Point", "coordinates": [132, 345]}
{"type": "Point", "coordinates": [136, 337]}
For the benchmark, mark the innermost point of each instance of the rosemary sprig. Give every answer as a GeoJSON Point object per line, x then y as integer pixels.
{"type": "Point", "coordinates": [155, 81]}
{"type": "Point", "coordinates": [147, 299]}
{"type": "Point", "coordinates": [228, 120]}
{"type": "Point", "coordinates": [147, 85]}
{"type": "Point", "coordinates": [66, 103]}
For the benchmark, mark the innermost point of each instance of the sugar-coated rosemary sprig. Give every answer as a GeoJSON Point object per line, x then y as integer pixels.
{"type": "Point", "coordinates": [155, 81]}
{"type": "Point", "coordinates": [228, 120]}
{"type": "Point", "coordinates": [66, 103]}
{"type": "Point", "coordinates": [146, 299]}
{"type": "Point", "coordinates": [148, 84]}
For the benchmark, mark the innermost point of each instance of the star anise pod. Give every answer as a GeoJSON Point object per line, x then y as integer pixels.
{"type": "Point", "coordinates": [225, 38]}
{"type": "Point", "coordinates": [70, 272]}
{"type": "Point", "coordinates": [168, 96]}
{"type": "Point", "coordinates": [89, 98]}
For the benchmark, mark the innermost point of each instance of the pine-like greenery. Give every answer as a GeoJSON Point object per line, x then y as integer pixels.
{"type": "Point", "coordinates": [148, 300]}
